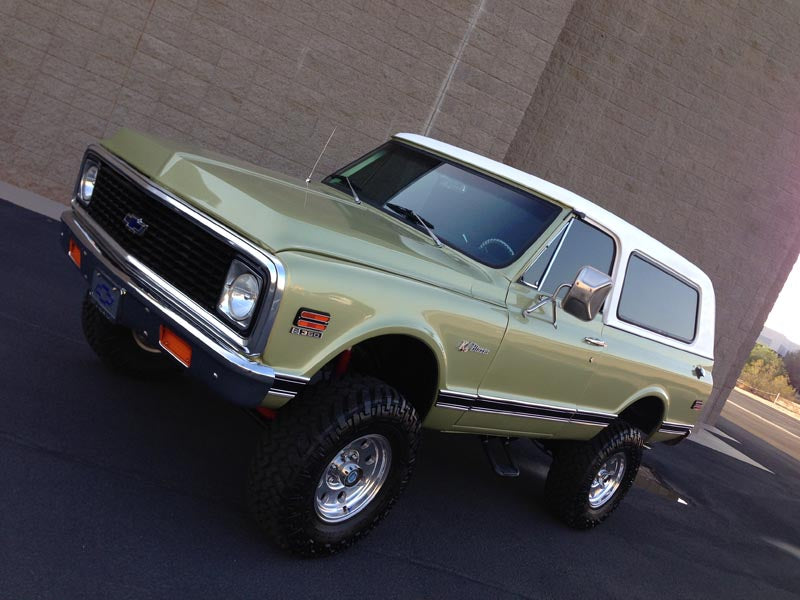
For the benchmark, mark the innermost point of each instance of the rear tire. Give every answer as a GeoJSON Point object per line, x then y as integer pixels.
{"type": "Point", "coordinates": [118, 347]}
{"type": "Point", "coordinates": [587, 480]}
{"type": "Point", "coordinates": [288, 493]}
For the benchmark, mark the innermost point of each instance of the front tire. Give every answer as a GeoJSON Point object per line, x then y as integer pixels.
{"type": "Point", "coordinates": [332, 464]}
{"type": "Point", "coordinates": [587, 480]}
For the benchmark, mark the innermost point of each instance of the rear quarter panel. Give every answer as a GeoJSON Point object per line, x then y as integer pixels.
{"type": "Point", "coordinates": [633, 367]}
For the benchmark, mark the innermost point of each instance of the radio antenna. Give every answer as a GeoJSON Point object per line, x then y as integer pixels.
{"type": "Point", "coordinates": [308, 179]}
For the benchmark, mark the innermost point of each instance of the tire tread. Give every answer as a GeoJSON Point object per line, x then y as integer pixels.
{"type": "Point", "coordinates": [575, 463]}
{"type": "Point", "coordinates": [304, 433]}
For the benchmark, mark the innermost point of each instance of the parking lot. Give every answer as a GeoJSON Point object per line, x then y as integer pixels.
{"type": "Point", "coordinates": [118, 488]}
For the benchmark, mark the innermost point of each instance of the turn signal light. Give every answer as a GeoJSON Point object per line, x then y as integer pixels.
{"type": "Point", "coordinates": [176, 346]}
{"type": "Point", "coordinates": [75, 253]}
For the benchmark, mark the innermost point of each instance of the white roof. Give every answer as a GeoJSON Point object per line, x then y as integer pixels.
{"type": "Point", "coordinates": [629, 239]}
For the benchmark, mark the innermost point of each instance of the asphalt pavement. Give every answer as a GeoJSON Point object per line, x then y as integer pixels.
{"type": "Point", "coordinates": [117, 488]}
{"type": "Point", "coordinates": [765, 422]}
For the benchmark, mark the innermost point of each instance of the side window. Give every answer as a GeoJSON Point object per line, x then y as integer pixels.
{"type": "Point", "coordinates": [658, 301]}
{"type": "Point", "coordinates": [582, 245]}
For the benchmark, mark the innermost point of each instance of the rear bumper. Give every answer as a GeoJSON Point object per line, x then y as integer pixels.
{"type": "Point", "coordinates": [237, 377]}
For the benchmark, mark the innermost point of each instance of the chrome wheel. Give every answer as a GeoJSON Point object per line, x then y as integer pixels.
{"type": "Point", "coordinates": [607, 480]}
{"type": "Point", "coordinates": [353, 478]}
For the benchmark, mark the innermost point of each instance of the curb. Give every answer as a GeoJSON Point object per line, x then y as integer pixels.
{"type": "Point", "coordinates": [31, 201]}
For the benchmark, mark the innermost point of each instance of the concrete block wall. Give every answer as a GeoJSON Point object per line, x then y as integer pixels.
{"type": "Point", "coordinates": [683, 117]}
{"type": "Point", "coordinates": [266, 81]}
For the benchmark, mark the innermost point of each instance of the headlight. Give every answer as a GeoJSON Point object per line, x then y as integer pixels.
{"type": "Point", "coordinates": [240, 294]}
{"type": "Point", "coordinates": [88, 179]}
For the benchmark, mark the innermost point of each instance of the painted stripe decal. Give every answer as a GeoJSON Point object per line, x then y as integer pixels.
{"type": "Point", "coordinates": [516, 408]}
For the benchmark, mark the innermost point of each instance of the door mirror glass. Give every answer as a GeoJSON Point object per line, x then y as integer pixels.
{"type": "Point", "coordinates": [588, 293]}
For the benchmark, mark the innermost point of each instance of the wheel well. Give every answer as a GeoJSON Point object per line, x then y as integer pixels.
{"type": "Point", "coordinates": [405, 363]}
{"type": "Point", "coordinates": [645, 413]}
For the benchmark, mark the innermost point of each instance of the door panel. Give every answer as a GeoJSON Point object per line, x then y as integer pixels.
{"type": "Point", "coordinates": [540, 373]}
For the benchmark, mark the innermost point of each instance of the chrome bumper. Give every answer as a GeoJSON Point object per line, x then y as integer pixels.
{"type": "Point", "coordinates": [238, 377]}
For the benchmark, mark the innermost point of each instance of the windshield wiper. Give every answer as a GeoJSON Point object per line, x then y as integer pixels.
{"type": "Point", "coordinates": [410, 214]}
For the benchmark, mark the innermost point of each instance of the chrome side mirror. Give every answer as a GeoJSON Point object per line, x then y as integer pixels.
{"type": "Point", "coordinates": [587, 293]}
{"type": "Point", "coordinates": [583, 300]}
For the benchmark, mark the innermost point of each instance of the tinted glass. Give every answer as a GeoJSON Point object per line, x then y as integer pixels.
{"type": "Point", "coordinates": [583, 245]}
{"type": "Point", "coordinates": [383, 174]}
{"type": "Point", "coordinates": [485, 219]}
{"type": "Point", "coordinates": [656, 300]}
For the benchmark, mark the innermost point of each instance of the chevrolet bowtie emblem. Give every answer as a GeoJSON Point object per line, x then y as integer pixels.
{"type": "Point", "coordinates": [134, 224]}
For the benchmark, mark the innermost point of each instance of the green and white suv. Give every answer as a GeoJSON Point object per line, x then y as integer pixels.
{"type": "Point", "coordinates": [419, 286]}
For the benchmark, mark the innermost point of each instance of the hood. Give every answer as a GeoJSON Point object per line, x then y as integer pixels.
{"type": "Point", "coordinates": [282, 214]}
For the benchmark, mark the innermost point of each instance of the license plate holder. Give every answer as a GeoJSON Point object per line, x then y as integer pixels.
{"type": "Point", "coordinates": [105, 294]}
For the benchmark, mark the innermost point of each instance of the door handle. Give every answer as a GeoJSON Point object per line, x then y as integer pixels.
{"type": "Point", "coordinates": [595, 342]}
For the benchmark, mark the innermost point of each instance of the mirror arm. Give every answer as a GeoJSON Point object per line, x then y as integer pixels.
{"type": "Point", "coordinates": [527, 312]}
{"type": "Point", "coordinates": [555, 301]}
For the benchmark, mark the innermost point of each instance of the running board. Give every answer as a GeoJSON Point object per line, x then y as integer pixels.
{"type": "Point", "coordinates": [498, 452]}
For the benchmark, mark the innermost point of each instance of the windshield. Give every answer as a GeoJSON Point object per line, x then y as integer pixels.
{"type": "Point", "coordinates": [484, 218]}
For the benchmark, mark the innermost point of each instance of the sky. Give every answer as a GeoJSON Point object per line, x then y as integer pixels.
{"type": "Point", "coordinates": [785, 316]}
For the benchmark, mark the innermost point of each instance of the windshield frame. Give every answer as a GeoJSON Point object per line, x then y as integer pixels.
{"type": "Point", "coordinates": [523, 248]}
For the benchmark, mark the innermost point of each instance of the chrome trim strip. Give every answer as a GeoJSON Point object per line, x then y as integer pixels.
{"type": "Point", "coordinates": [552, 261]}
{"type": "Point", "coordinates": [521, 279]}
{"type": "Point", "coordinates": [452, 394]}
{"type": "Point", "coordinates": [676, 425]}
{"type": "Point", "coordinates": [579, 421]}
{"type": "Point", "coordinates": [441, 404]}
{"type": "Point", "coordinates": [595, 413]}
{"type": "Point", "coordinates": [292, 378]}
{"type": "Point", "coordinates": [216, 346]}
{"type": "Point", "coordinates": [519, 408]}
{"type": "Point", "coordinates": [517, 414]}
{"type": "Point", "coordinates": [675, 428]}
{"type": "Point", "coordinates": [282, 394]}
{"type": "Point", "coordinates": [526, 404]}
{"type": "Point", "coordinates": [265, 320]}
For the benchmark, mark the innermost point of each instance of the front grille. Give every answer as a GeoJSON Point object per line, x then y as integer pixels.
{"type": "Point", "coordinates": [188, 257]}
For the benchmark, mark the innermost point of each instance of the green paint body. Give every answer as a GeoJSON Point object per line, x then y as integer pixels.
{"type": "Point", "coordinates": [377, 275]}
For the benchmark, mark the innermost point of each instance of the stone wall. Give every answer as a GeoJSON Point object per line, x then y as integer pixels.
{"type": "Point", "coordinates": [683, 118]}
{"type": "Point", "coordinates": [266, 81]}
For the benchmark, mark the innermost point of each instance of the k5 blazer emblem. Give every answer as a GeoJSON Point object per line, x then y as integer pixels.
{"type": "Point", "coordinates": [467, 346]}
{"type": "Point", "coordinates": [134, 224]}
{"type": "Point", "coordinates": [310, 323]}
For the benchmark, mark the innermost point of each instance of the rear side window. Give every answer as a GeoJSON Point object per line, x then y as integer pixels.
{"type": "Point", "coordinates": [658, 301]}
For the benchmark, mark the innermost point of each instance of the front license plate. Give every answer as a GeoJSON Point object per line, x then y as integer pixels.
{"type": "Point", "coordinates": [105, 294]}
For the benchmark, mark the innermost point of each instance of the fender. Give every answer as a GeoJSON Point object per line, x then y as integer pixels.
{"type": "Point", "coordinates": [369, 303]}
